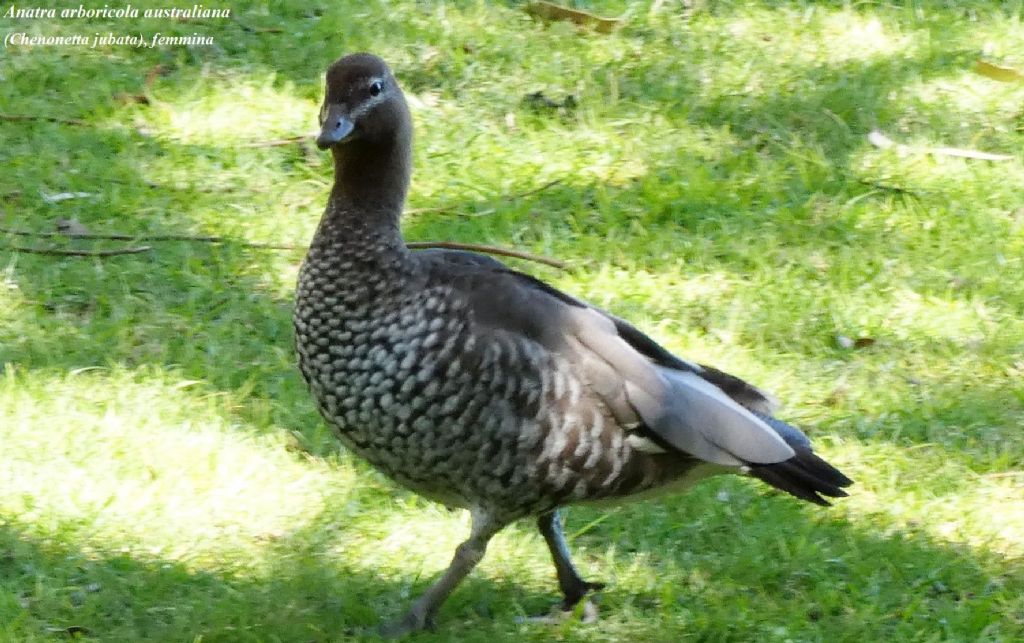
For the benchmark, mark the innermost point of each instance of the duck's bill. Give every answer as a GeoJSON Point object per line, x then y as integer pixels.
{"type": "Point", "coordinates": [337, 127]}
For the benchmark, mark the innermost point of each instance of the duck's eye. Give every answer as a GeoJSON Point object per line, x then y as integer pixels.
{"type": "Point", "coordinates": [376, 87]}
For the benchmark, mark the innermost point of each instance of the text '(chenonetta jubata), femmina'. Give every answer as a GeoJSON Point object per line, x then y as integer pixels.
{"type": "Point", "coordinates": [484, 388]}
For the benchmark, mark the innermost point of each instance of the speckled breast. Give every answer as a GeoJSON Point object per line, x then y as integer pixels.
{"type": "Point", "coordinates": [388, 369]}
{"type": "Point", "coordinates": [406, 384]}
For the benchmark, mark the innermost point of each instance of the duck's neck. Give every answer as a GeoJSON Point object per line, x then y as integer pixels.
{"type": "Point", "coordinates": [370, 183]}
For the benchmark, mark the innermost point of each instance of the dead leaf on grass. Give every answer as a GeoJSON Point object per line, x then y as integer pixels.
{"type": "Point", "coordinates": [995, 72]}
{"type": "Point", "coordinates": [71, 227]}
{"type": "Point", "coordinates": [847, 342]}
{"type": "Point", "coordinates": [882, 141]}
{"type": "Point", "coordinates": [64, 196]}
{"type": "Point", "coordinates": [129, 99]}
{"type": "Point", "coordinates": [551, 11]}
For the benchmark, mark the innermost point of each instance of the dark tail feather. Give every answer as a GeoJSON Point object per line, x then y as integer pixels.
{"type": "Point", "coordinates": [805, 475]}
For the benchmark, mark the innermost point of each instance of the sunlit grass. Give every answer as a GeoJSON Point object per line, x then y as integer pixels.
{"type": "Point", "coordinates": [164, 475]}
{"type": "Point", "coordinates": [146, 462]}
{"type": "Point", "coordinates": [223, 112]}
{"type": "Point", "coordinates": [923, 489]}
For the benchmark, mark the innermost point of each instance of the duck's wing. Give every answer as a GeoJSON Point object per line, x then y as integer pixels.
{"type": "Point", "coordinates": [455, 263]}
{"type": "Point", "coordinates": [698, 411]}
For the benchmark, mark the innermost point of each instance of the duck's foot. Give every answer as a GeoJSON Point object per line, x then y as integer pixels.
{"type": "Point", "coordinates": [421, 615]}
{"type": "Point", "coordinates": [585, 610]}
{"type": "Point", "coordinates": [413, 621]}
{"type": "Point", "coordinates": [575, 589]}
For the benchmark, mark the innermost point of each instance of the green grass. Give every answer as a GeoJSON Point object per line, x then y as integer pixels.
{"type": "Point", "coordinates": [165, 477]}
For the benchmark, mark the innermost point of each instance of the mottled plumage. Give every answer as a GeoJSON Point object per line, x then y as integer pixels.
{"type": "Point", "coordinates": [484, 388]}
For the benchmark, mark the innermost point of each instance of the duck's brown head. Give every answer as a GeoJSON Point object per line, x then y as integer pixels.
{"type": "Point", "coordinates": [365, 123]}
{"type": "Point", "coordinates": [363, 103]}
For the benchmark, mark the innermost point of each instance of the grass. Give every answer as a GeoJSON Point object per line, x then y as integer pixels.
{"type": "Point", "coordinates": [165, 477]}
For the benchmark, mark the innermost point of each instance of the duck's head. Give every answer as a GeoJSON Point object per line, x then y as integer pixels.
{"type": "Point", "coordinates": [363, 103]}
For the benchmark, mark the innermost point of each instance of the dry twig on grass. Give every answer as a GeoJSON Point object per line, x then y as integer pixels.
{"type": "Point", "coordinates": [505, 199]}
{"type": "Point", "coordinates": [280, 142]}
{"type": "Point", "coordinates": [413, 245]}
{"type": "Point", "coordinates": [81, 253]}
{"type": "Point", "coordinates": [73, 230]}
{"type": "Point", "coordinates": [493, 250]}
{"type": "Point", "coordinates": [48, 119]}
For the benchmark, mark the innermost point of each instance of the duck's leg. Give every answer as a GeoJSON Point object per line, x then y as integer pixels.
{"type": "Point", "coordinates": [421, 615]}
{"type": "Point", "coordinates": [573, 587]}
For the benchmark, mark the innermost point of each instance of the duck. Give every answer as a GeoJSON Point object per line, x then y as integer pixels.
{"type": "Point", "coordinates": [486, 389]}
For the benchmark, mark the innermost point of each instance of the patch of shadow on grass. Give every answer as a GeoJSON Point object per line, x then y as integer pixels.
{"type": "Point", "coordinates": [118, 597]}
{"type": "Point", "coordinates": [753, 568]}
{"type": "Point", "coordinates": [835, 105]}
{"type": "Point", "coordinates": [742, 565]}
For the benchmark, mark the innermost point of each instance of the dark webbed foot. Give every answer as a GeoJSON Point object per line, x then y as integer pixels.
{"type": "Point", "coordinates": [572, 599]}
{"type": "Point", "coordinates": [586, 609]}
{"type": "Point", "coordinates": [413, 621]}
{"type": "Point", "coordinates": [574, 588]}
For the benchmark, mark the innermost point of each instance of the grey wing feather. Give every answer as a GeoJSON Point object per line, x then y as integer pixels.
{"type": "Point", "coordinates": [637, 380]}
{"type": "Point", "coordinates": [701, 419]}
{"type": "Point", "coordinates": [680, 407]}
